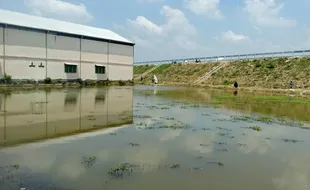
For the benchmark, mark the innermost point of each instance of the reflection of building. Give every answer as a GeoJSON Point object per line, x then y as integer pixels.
{"type": "Point", "coordinates": [34, 47]}
{"type": "Point", "coordinates": [41, 114]}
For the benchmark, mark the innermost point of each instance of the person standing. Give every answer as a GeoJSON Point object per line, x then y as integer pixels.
{"type": "Point", "coordinates": [291, 84]}
{"type": "Point", "coordinates": [236, 84]}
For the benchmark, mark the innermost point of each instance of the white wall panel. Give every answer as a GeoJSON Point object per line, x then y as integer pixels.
{"type": "Point", "coordinates": [91, 46]}
{"type": "Point", "coordinates": [1, 67]}
{"type": "Point", "coordinates": [119, 72]}
{"type": "Point", "coordinates": [88, 72]}
{"type": "Point", "coordinates": [118, 49]}
{"type": "Point", "coordinates": [1, 53]}
{"type": "Point", "coordinates": [19, 69]}
{"type": "Point", "coordinates": [24, 43]}
{"type": "Point", "coordinates": [120, 59]}
{"type": "Point", "coordinates": [63, 48]}
{"type": "Point", "coordinates": [1, 41]}
{"type": "Point", "coordinates": [56, 70]}
{"type": "Point", "coordinates": [95, 57]}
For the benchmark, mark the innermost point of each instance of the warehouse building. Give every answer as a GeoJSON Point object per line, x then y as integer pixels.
{"type": "Point", "coordinates": [34, 47]}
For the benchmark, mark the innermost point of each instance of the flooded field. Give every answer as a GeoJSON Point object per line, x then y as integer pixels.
{"type": "Point", "coordinates": [150, 137]}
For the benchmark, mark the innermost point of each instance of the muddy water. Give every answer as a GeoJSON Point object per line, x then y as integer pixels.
{"type": "Point", "coordinates": [180, 139]}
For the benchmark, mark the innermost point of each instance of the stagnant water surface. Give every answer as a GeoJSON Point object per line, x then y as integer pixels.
{"type": "Point", "coordinates": [150, 137]}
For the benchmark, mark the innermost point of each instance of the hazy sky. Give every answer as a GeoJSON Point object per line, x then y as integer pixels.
{"type": "Point", "coordinates": [166, 29]}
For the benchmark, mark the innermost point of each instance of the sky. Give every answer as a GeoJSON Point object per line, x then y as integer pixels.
{"type": "Point", "coordinates": [172, 29]}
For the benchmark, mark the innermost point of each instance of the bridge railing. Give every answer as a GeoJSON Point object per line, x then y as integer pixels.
{"type": "Point", "coordinates": [231, 57]}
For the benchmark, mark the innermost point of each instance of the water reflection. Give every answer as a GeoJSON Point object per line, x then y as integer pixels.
{"type": "Point", "coordinates": [44, 114]}
{"type": "Point", "coordinates": [254, 159]}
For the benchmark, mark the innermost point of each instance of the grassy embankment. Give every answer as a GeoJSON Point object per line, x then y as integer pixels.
{"type": "Point", "coordinates": [271, 73]}
{"type": "Point", "coordinates": [174, 73]}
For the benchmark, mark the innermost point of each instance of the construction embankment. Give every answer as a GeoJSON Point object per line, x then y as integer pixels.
{"type": "Point", "coordinates": [268, 74]}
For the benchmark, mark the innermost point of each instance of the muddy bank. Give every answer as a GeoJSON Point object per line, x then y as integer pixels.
{"type": "Point", "coordinates": [297, 92]}
{"type": "Point", "coordinates": [65, 83]}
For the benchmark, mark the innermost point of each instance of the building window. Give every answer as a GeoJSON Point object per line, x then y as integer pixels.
{"type": "Point", "coordinates": [99, 69]}
{"type": "Point", "coordinates": [70, 68]}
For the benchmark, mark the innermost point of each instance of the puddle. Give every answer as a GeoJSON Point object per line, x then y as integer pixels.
{"type": "Point", "coordinates": [176, 138]}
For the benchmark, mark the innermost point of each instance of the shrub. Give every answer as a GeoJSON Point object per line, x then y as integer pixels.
{"type": "Point", "coordinates": [7, 78]}
{"type": "Point", "coordinates": [226, 82]}
{"type": "Point", "coordinates": [270, 65]}
{"type": "Point", "coordinates": [79, 80]}
{"type": "Point", "coordinates": [258, 64]}
{"type": "Point", "coordinates": [121, 83]}
{"type": "Point", "coordinates": [48, 80]}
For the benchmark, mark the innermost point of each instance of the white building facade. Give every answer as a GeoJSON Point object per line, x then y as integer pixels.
{"type": "Point", "coordinates": [36, 48]}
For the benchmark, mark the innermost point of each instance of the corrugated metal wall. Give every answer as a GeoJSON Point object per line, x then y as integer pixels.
{"type": "Point", "coordinates": [23, 48]}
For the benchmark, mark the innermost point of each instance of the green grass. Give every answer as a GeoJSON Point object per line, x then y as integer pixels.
{"type": "Point", "coordinates": [142, 68]}
{"type": "Point", "coordinates": [261, 99]}
{"type": "Point", "coordinates": [161, 68]}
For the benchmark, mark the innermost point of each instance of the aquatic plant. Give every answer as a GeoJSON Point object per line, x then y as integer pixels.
{"type": "Point", "coordinates": [255, 128]}
{"type": "Point", "coordinates": [241, 118]}
{"type": "Point", "coordinates": [222, 128]}
{"type": "Point", "coordinates": [174, 166]}
{"type": "Point", "coordinates": [152, 107]}
{"type": "Point", "coordinates": [264, 119]}
{"type": "Point", "coordinates": [291, 140]}
{"type": "Point", "coordinates": [16, 166]}
{"type": "Point", "coordinates": [119, 170]}
{"type": "Point", "coordinates": [141, 124]}
{"type": "Point", "coordinates": [7, 174]}
{"type": "Point", "coordinates": [165, 108]}
{"type": "Point", "coordinates": [217, 163]}
{"type": "Point", "coordinates": [220, 143]}
{"type": "Point", "coordinates": [240, 144]}
{"type": "Point", "coordinates": [205, 129]}
{"type": "Point", "coordinates": [224, 120]}
{"type": "Point", "coordinates": [167, 118]}
{"type": "Point", "coordinates": [150, 127]}
{"type": "Point", "coordinates": [142, 116]}
{"type": "Point", "coordinates": [176, 126]}
{"type": "Point", "coordinates": [134, 144]}
{"type": "Point", "coordinates": [222, 149]}
{"type": "Point", "coordinates": [223, 134]}
{"type": "Point", "coordinates": [205, 114]}
{"type": "Point", "coordinates": [91, 117]}
{"type": "Point", "coordinates": [192, 169]}
{"type": "Point", "coordinates": [269, 120]}
{"type": "Point", "coordinates": [88, 161]}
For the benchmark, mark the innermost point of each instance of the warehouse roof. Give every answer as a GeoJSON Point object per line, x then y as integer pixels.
{"type": "Point", "coordinates": [35, 22]}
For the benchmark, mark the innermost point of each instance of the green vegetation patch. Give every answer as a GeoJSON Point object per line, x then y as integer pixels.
{"type": "Point", "coordinates": [160, 69]}
{"type": "Point", "coordinates": [140, 69]}
{"type": "Point", "coordinates": [255, 128]}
